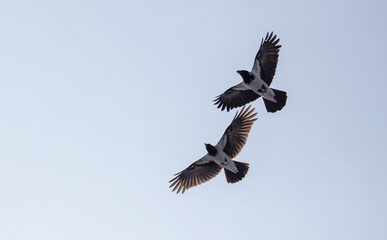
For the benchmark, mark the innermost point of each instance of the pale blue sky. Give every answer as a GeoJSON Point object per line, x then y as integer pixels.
{"type": "Point", "coordinates": [101, 102]}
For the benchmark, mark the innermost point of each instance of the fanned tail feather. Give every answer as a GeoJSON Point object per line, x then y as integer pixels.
{"type": "Point", "coordinates": [243, 168]}
{"type": "Point", "coordinates": [280, 97]}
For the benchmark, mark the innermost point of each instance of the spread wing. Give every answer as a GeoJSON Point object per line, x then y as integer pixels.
{"type": "Point", "coordinates": [235, 96]}
{"type": "Point", "coordinates": [197, 173]}
{"type": "Point", "coordinates": [235, 136]}
{"type": "Point", "coordinates": [266, 60]}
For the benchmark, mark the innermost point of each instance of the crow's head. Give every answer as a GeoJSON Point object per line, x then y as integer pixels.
{"type": "Point", "coordinates": [211, 149]}
{"type": "Point", "coordinates": [247, 77]}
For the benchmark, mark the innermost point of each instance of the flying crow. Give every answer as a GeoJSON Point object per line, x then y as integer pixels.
{"type": "Point", "coordinates": [256, 82]}
{"type": "Point", "coordinates": [220, 156]}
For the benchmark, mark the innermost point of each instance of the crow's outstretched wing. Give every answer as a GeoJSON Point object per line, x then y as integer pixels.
{"type": "Point", "coordinates": [235, 136]}
{"type": "Point", "coordinates": [197, 173]}
{"type": "Point", "coordinates": [266, 60]}
{"type": "Point", "coordinates": [235, 96]}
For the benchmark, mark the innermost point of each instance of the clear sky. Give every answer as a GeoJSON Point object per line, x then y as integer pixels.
{"type": "Point", "coordinates": [101, 102]}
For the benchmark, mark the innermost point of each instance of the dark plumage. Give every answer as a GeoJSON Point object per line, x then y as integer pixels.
{"type": "Point", "coordinates": [220, 156]}
{"type": "Point", "coordinates": [211, 149]}
{"type": "Point", "coordinates": [256, 82]}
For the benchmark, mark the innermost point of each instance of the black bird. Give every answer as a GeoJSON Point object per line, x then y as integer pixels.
{"type": "Point", "coordinates": [256, 82]}
{"type": "Point", "coordinates": [220, 156]}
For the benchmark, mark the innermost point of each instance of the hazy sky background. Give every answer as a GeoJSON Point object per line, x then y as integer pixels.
{"type": "Point", "coordinates": [101, 102]}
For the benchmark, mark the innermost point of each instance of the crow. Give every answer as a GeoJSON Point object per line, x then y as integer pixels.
{"type": "Point", "coordinates": [256, 82]}
{"type": "Point", "coordinates": [220, 156]}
